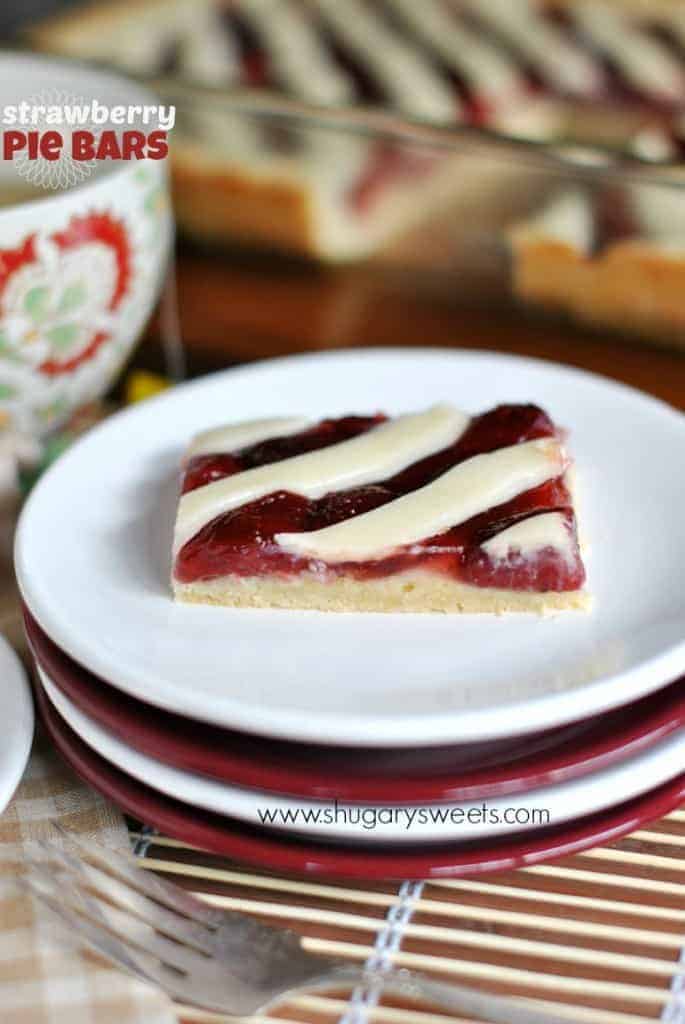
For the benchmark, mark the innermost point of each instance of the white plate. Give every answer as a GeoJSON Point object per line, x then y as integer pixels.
{"type": "Point", "coordinates": [16, 713]}
{"type": "Point", "coordinates": [406, 824]}
{"type": "Point", "coordinates": [93, 544]}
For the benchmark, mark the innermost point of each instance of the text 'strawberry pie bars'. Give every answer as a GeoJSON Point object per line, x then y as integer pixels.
{"type": "Point", "coordinates": [429, 511]}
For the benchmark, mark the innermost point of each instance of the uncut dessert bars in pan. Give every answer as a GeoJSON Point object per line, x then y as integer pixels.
{"type": "Point", "coordinates": [612, 70]}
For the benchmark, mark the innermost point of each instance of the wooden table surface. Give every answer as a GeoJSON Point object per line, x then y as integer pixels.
{"type": "Point", "coordinates": [239, 308]}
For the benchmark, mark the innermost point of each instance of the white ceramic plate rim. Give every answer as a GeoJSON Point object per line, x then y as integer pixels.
{"type": "Point", "coordinates": [564, 802]}
{"type": "Point", "coordinates": [664, 660]}
{"type": "Point", "coordinates": [17, 722]}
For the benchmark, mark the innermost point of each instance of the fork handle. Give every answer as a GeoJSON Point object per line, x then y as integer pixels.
{"type": "Point", "coordinates": [457, 999]}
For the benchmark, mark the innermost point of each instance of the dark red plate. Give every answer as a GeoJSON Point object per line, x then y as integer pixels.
{"type": "Point", "coordinates": [359, 775]}
{"type": "Point", "coordinates": [256, 847]}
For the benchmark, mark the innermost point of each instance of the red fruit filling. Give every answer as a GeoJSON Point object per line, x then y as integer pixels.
{"type": "Point", "coordinates": [387, 165]}
{"type": "Point", "coordinates": [241, 542]}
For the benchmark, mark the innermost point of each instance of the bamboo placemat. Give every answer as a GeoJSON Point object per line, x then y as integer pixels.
{"type": "Point", "coordinates": [599, 936]}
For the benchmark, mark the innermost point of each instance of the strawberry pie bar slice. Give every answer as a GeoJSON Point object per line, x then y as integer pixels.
{"type": "Point", "coordinates": [429, 511]}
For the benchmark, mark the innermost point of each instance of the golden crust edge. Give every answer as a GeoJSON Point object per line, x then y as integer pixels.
{"type": "Point", "coordinates": [219, 203]}
{"type": "Point", "coordinates": [405, 592]}
{"type": "Point", "coordinates": [633, 285]}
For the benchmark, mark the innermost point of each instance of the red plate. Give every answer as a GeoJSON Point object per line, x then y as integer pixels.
{"type": "Point", "coordinates": [379, 776]}
{"type": "Point", "coordinates": [254, 846]}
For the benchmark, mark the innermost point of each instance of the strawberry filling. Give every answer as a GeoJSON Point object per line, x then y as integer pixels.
{"type": "Point", "coordinates": [241, 542]}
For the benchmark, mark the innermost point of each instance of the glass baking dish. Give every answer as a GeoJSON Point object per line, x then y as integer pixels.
{"type": "Point", "coordinates": [577, 210]}
{"type": "Point", "coordinates": [478, 220]}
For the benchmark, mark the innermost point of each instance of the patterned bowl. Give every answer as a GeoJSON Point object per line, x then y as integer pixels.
{"type": "Point", "coordinates": [81, 266]}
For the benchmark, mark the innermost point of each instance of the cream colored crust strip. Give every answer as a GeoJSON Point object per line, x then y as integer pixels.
{"type": "Point", "coordinates": [207, 53]}
{"type": "Point", "coordinates": [134, 44]}
{"type": "Point", "coordinates": [468, 489]}
{"type": "Point", "coordinates": [560, 62]}
{"type": "Point", "coordinates": [548, 530]}
{"type": "Point", "coordinates": [375, 455]}
{"type": "Point", "coordinates": [297, 54]}
{"type": "Point", "coordinates": [410, 81]}
{"type": "Point", "coordinates": [490, 71]}
{"type": "Point", "coordinates": [234, 436]}
{"type": "Point", "coordinates": [642, 60]}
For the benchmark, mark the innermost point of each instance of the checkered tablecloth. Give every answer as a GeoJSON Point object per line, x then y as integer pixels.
{"type": "Point", "coordinates": [45, 978]}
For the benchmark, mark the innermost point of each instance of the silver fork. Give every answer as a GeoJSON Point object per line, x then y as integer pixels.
{"type": "Point", "coordinates": [215, 959]}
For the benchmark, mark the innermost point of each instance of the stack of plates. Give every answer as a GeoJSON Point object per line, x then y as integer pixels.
{"type": "Point", "coordinates": [365, 745]}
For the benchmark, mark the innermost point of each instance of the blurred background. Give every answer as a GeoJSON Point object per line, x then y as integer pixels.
{"type": "Point", "coordinates": [298, 234]}
{"type": "Point", "coordinates": [16, 13]}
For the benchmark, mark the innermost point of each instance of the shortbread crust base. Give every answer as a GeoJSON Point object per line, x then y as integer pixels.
{"type": "Point", "coordinates": [403, 592]}
{"type": "Point", "coordinates": [634, 286]}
